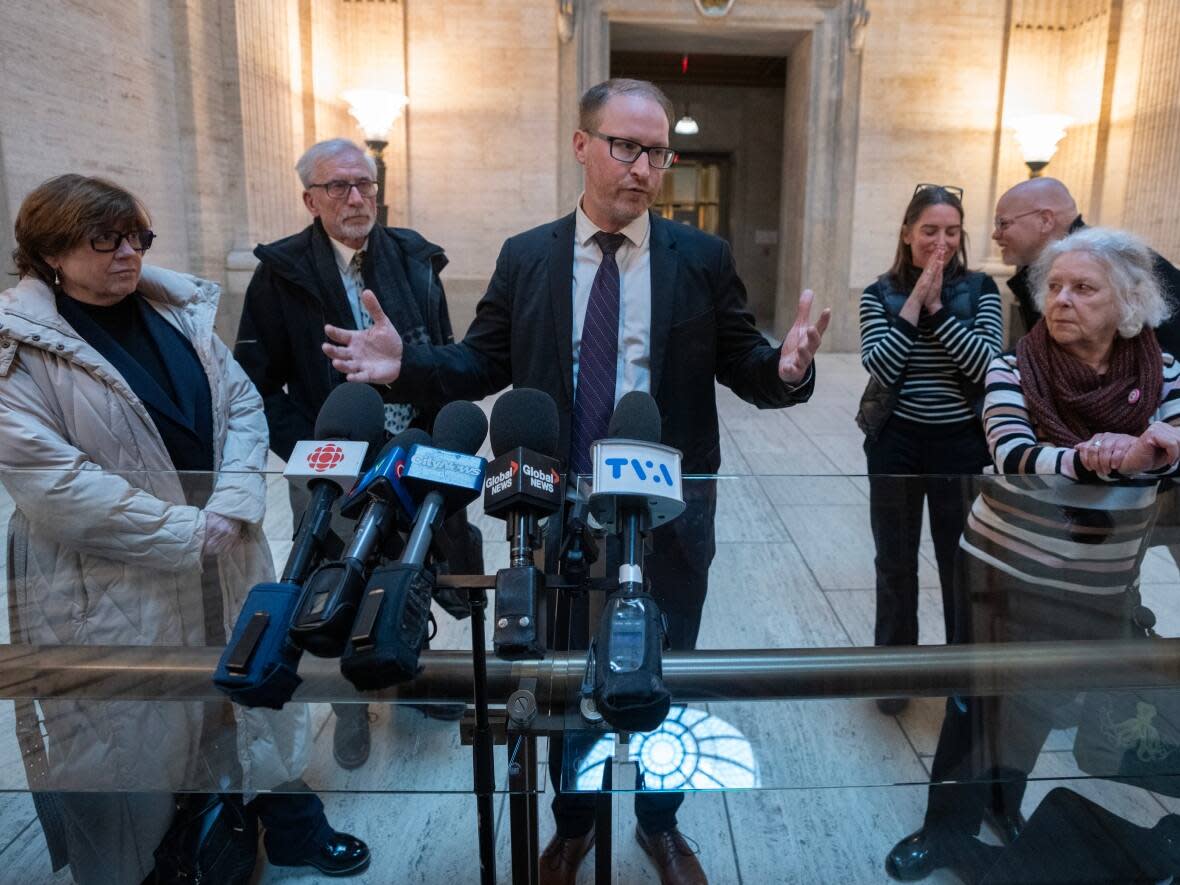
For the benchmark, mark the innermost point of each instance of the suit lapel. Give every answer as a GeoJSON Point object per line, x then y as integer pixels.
{"type": "Point", "coordinates": [561, 298]}
{"type": "Point", "coordinates": [331, 287]}
{"type": "Point", "coordinates": [665, 267]}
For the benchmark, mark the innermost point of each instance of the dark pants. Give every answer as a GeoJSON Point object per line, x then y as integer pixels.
{"type": "Point", "coordinates": [294, 822]}
{"type": "Point", "coordinates": [988, 745]}
{"type": "Point", "coordinates": [908, 463]}
{"type": "Point", "coordinates": [677, 569]}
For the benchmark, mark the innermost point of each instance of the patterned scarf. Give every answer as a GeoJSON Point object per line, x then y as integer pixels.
{"type": "Point", "coordinates": [1069, 402]}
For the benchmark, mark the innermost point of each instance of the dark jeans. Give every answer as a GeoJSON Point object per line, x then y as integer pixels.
{"type": "Point", "coordinates": [908, 463]}
{"type": "Point", "coordinates": [677, 569]}
{"type": "Point", "coordinates": [294, 822]}
{"type": "Point", "coordinates": [988, 745]}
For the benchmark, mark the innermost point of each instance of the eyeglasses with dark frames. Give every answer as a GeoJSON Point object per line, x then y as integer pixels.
{"type": "Point", "coordinates": [627, 151]}
{"type": "Point", "coordinates": [111, 240]}
{"type": "Point", "coordinates": [339, 189]}
{"type": "Point", "coordinates": [949, 188]}
{"type": "Point", "coordinates": [1002, 223]}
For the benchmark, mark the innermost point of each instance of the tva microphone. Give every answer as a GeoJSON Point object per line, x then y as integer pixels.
{"type": "Point", "coordinates": [390, 628]}
{"type": "Point", "coordinates": [259, 664]}
{"type": "Point", "coordinates": [523, 484]}
{"type": "Point", "coordinates": [349, 431]}
{"type": "Point", "coordinates": [331, 595]}
{"type": "Point", "coordinates": [637, 486]}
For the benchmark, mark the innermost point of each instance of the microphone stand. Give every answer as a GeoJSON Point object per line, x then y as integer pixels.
{"type": "Point", "coordinates": [483, 743]}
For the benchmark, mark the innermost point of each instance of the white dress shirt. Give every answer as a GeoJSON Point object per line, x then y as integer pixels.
{"type": "Point", "coordinates": [352, 288]}
{"type": "Point", "coordinates": [634, 261]}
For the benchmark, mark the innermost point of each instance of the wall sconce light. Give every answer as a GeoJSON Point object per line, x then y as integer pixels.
{"type": "Point", "coordinates": [375, 111]}
{"type": "Point", "coordinates": [1038, 135]}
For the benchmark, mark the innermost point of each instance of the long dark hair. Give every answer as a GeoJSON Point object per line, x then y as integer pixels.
{"type": "Point", "coordinates": [903, 275]}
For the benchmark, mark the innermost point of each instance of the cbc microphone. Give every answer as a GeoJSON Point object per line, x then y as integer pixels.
{"type": "Point", "coordinates": [523, 484]}
{"type": "Point", "coordinates": [333, 592]}
{"type": "Point", "coordinates": [258, 666]}
{"type": "Point", "coordinates": [637, 486]}
{"type": "Point", "coordinates": [390, 628]}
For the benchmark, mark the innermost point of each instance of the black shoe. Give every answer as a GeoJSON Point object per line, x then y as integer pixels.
{"type": "Point", "coordinates": [340, 855]}
{"type": "Point", "coordinates": [350, 741]}
{"type": "Point", "coordinates": [892, 706]}
{"type": "Point", "coordinates": [920, 854]}
{"type": "Point", "coordinates": [1005, 825]}
{"type": "Point", "coordinates": [442, 712]}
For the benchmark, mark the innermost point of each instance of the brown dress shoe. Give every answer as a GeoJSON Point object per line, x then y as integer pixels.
{"type": "Point", "coordinates": [674, 859]}
{"type": "Point", "coordinates": [562, 857]}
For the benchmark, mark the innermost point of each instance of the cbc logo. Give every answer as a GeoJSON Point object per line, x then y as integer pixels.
{"type": "Point", "coordinates": [325, 457]}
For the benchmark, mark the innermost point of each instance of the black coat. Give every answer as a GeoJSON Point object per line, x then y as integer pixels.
{"type": "Point", "coordinates": [296, 289]}
{"type": "Point", "coordinates": [701, 330]}
{"type": "Point", "coordinates": [1166, 273]}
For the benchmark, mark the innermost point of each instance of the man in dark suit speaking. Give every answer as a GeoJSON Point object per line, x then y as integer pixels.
{"type": "Point", "coordinates": [609, 299]}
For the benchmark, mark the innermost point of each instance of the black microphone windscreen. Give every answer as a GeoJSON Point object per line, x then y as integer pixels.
{"type": "Point", "coordinates": [352, 411]}
{"type": "Point", "coordinates": [460, 427]}
{"type": "Point", "coordinates": [525, 417]}
{"type": "Point", "coordinates": [635, 417]}
{"type": "Point", "coordinates": [411, 437]}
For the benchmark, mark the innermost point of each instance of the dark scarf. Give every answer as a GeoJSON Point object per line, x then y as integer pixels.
{"type": "Point", "coordinates": [1069, 402]}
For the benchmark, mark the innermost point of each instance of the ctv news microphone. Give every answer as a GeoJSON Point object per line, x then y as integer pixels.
{"type": "Point", "coordinates": [331, 595]}
{"type": "Point", "coordinates": [637, 487]}
{"type": "Point", "coordinates": [390, 628]}
{"type": "Point", "coordinates": [258, 666]}
{"type": "Point", "coordinates": [523, 484]}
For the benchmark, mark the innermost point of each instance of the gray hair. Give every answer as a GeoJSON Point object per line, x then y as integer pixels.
{"type": "Point", "coordinates": [1129, 266]}
{"type": "Point", "coordinates": [597, 96]}
{"type": "Point", "coordinates": [329, 150]}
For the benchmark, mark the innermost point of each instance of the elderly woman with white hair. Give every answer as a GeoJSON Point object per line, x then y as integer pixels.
{"type": "Point", "coordinates": [1053, 545]}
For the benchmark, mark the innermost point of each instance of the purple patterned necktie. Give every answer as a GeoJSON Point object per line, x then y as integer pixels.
{"type": "Point", "coordinates": [598, 358]}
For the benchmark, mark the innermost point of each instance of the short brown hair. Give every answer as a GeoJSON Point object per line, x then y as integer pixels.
{"type": "Point", "coordinates": [64, 211]}
{"type": "Point", "coordinates": [597, 96]}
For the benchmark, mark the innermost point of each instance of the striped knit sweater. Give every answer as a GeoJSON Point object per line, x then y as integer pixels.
{"type": "Point", "coordinates": [1049, 521]}
{"type": "Point", "coordinates": [935, 355]}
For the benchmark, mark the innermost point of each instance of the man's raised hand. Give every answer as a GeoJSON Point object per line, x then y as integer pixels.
{"type": "Point", "coordinates": [802, 340]}
{"type": "Point", "coordinates": [371, 356]}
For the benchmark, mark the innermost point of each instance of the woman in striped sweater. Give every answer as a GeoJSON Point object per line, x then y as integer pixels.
{"type": "Point", "coordinates": [1082, 420]}
{"type": "Point", "coordinates": [929, 327]}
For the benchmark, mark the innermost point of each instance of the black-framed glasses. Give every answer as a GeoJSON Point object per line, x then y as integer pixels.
{"type": "Point", "coordinates": [339, 189]}
{"type": "Point", "coordinates": [627, 151]}
{"type": "Point", "coordinates": [111, 240]}
{"type": "Point", "coordinates": [1002, 223]}
{"type": "Point", "coordinates": [955, 191]}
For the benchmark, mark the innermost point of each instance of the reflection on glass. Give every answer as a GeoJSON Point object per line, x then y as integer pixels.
{"type": "Point", "coordinates": [691, 750]}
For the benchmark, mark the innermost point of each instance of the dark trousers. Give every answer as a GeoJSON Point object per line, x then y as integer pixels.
{"type": "Point", "coordinates": [910, 463]}
{"type": "Point", "coordinates": [294, 822]}
{"type": "Point", "coordinates": [988, 745]}
{"type": "Point", "coordinates": [677, 569]}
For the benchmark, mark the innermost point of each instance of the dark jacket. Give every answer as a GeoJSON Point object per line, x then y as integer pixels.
{"type": "Point", "coordinates": [1167, 273]}
{"type": "Point", "coordinates": [296, 289]}
{"type": "Point", "coordinates": [701, 330]}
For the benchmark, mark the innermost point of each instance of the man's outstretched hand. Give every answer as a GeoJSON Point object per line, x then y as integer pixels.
{"type": "Point", "coordinates": [371, 356]}
{"type": "Point", "coordinates": [802, 340]}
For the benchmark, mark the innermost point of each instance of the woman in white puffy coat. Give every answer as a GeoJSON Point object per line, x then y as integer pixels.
{"type": "Point", "coordinates": [111, 543]}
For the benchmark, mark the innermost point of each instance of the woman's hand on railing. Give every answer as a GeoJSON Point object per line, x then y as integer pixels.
{"type": "Point", "coordinates": [1154, 449]}
{"type": "Point", "coordinates": [1104, 452]}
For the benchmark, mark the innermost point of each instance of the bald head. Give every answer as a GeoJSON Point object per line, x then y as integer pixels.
{"type": "Point", "coordinates": [1031, 215]}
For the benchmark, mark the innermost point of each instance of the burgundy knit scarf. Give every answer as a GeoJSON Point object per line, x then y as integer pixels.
{"type": "Point", "coordinates": [1069, 402]}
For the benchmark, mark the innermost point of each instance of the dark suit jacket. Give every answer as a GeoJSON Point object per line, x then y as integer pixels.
{"type": "Point", "coordinates": [700, 330]}
{"type": "Point", "coordinates": [296, 289]}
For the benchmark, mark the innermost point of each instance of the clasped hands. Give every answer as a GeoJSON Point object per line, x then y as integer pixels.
{"type": "Point", "coordinates": [374, 355]}
{"type": "Point", "coordinates": [928, 290]}
{"type": "Point", "coordinates": [1157, 447]}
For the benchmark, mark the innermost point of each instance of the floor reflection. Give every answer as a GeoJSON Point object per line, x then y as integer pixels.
{"type": "Point", "coordinates": [691, 750]}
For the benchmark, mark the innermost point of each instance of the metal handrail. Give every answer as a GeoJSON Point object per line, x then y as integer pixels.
{"type": "Point", "coordinates": [185, 673]}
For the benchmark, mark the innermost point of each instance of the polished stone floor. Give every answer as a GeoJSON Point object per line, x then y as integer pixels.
{"type": "Point", "coordinates": [827, 786]}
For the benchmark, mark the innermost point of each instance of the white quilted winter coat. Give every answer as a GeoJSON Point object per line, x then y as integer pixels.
{"type": "Point", "coordinates": [106, 552]}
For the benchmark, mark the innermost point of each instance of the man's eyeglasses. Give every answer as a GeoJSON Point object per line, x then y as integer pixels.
{"type": "Point", "coordinates": [337, 190]}
{"type": "Point", "coordinates": [110, 240]}
{"type": "Point", "coordinates": [626, 151]}
{"type": "Point", "coordinates": [1002, 223]}
{"type": "Point", "coordinates": [957, 192]}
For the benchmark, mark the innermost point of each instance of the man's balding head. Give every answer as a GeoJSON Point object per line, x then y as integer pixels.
{"type": "Point", "coordinates": [1031, 215]}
